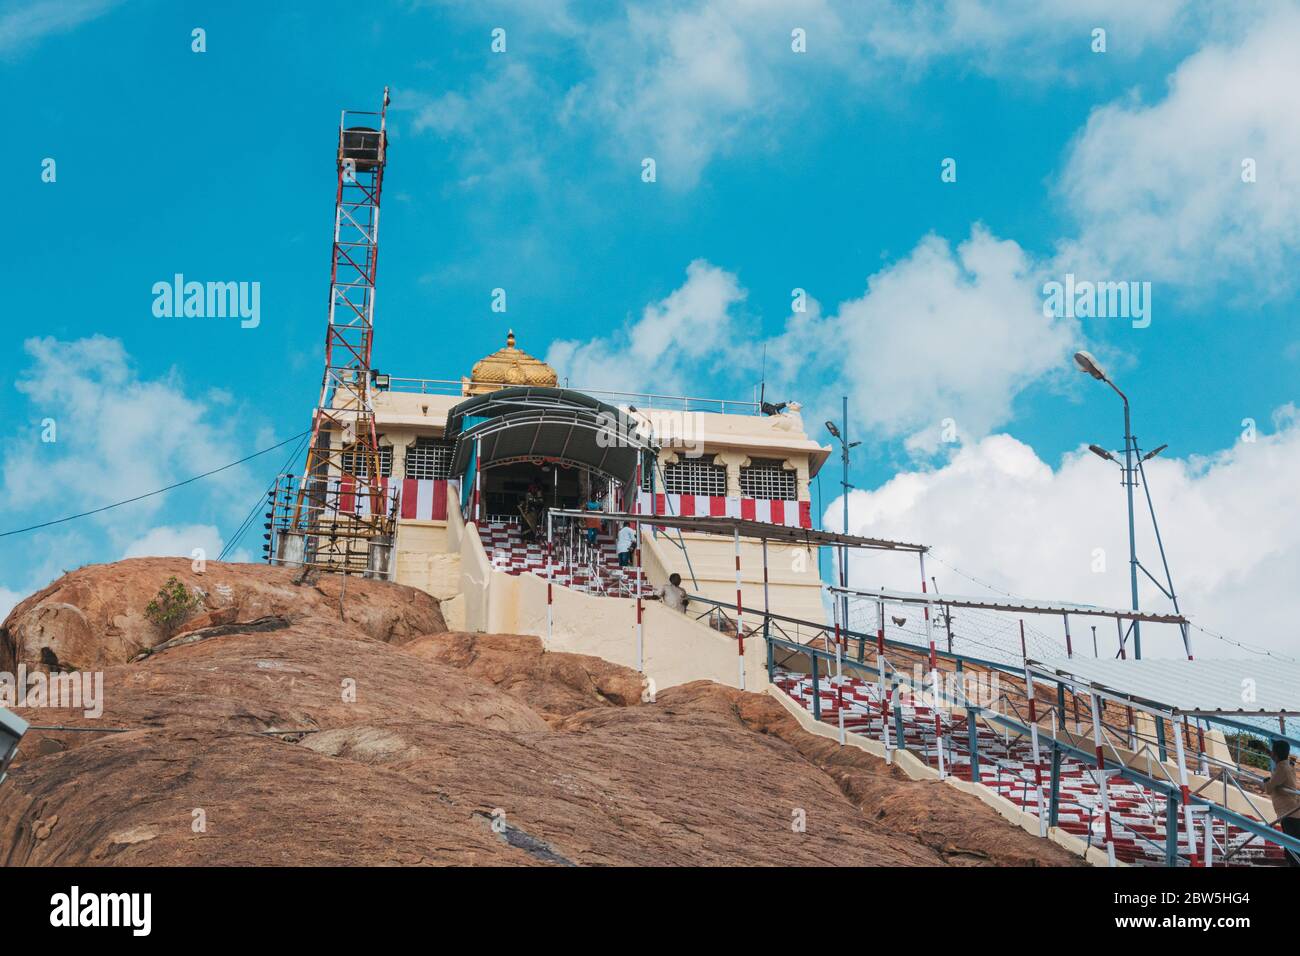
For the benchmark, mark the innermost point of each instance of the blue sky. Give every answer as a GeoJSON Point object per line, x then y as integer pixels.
{"type": "Point", "coordinates": [775, 170]}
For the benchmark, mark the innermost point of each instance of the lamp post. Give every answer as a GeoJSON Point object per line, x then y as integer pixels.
{"type": "Point", "coordinates": [842, 436]}
{"type": "Point", "coordinates": [1088, 364]}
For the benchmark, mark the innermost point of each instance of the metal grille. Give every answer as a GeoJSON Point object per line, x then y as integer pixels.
{"type": "Point", "coordinates": [767, 479]}
{"type": "Point", "coordinates": [429, 458]}
{"type": "Point", "coordinates": [356, 461]}
{"type": "Point", "coordinates": [695, 476]}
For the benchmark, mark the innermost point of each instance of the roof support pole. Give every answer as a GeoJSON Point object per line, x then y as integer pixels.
{"type": "Point", "coordinates": [898, 715]}
{"type": "Point", "coordinates": [640, 609]}
{"type": "Point", "coordinates": [973, 738]}
{"type": "Point", "coordinates": [936, 688]}
{"type": "Point", "coordinates": [816, 690]}
{"type": "Point", "coordinates": [880, 670]}
{"type": "Point", "coordinates": [1101, 777]}
{"type": "Point", "coordinates": [1185, 790]}
{"type": "Point", "coordinates": [1054, 805]}
{"type": "Point", "coordinates": [550, 580]}
{"type": "Point", "coordinates": [740, 614]}
{"type": "Point", "coordinates": [1033, 740]}
{"type": "Point", "coordinates": [1171, 831]}
{"type": "Point", "coordinates": [1069, 647]}
{"type": "Point", "coordinates": [767, 607]}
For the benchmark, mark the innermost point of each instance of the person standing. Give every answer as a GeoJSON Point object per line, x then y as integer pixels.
{"type": "Point", "coordinates": [593, 524]}
{"type": "Point", "coordinates": [626, 544]}
{"type": "Point", "coordinates": [1282, 790]}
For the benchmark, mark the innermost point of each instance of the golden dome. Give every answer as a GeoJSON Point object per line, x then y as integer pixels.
{"type": "Point", "coordinates": [506, 367]}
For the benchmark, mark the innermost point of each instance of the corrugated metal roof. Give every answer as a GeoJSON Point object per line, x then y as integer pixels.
{"type": "Point", "coordinates": [1010, 605]}
{"type": "Point", "coordinates": [783, 534]}
{"type": "Point", "coordinates": [1206, 687]}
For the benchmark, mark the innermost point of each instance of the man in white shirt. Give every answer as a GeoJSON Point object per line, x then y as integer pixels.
{"type": "Point", "coordinates": [626, 545]}
{"type": "Point", "coordinates": [675, 594]}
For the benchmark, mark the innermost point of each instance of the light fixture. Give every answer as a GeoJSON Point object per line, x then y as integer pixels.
{"type": "Point", "coordinates": [830, 427]}
{"type": "Point", "coordinates": [1088, 364]}
{"type": "Point", "coordinates": [1101, 452]}
{"type": "Point", "coordinates": [1153, 452]}
{"type": "Point", "coordinates": [12, 728]}
{"type": "Point", "coordinates": [382, 381]}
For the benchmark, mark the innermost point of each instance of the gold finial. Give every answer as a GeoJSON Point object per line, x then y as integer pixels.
{"type": "Point", "coordinates": [508, 366]}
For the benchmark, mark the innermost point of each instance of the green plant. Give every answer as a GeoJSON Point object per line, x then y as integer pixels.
{"type": "Point", "coordinates": [1249, 750]}
{"type": "Point", "coordinates": [171, 607]}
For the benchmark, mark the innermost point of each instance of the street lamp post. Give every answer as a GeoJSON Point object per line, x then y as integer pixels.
{"type": "Point", "coordinates": [1088, 364]}
{"type": "Point", "coordinates": [842, 435]}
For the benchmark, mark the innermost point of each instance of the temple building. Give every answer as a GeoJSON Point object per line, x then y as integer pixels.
{"type": "Point", "coordinates": [467, 454]}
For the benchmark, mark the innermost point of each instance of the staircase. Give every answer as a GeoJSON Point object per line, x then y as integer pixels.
{"type": "Point", "coordinates": [593, 570]}
{"type": "Point", "coordinates": [1007, 767]}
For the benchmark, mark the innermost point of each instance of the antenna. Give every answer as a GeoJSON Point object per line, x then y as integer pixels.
{"type": "Point", "coordinates": [341, 506]}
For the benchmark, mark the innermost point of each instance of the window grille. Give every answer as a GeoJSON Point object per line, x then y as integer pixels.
{"type": "Point", "coordinates": [356, 462]}
{"type": "Point", "coordinates": [695, 476]}
{"type": "Point", "coordinates": [766, 478]}
{"type": "Point", "coordinates": [429, 458]}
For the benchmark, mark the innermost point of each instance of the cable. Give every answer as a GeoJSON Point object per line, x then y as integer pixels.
{"type": "Point", "coordinates": [260, 503]}
{"type": "Point", "coordinates": [159, 491]}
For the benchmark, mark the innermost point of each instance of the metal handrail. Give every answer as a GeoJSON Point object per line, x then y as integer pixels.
{"type": "Point", "coordinates": [651, 400]}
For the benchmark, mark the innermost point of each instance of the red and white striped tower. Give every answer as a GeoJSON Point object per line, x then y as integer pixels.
{"type": "Point", "coordinates": [345, 407]}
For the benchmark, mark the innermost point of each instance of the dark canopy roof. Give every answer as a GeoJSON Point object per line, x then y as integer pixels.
{"type": "Point", "coordinates": [504, 401]}
{"type": "Point", "coordinates": [537, 423]}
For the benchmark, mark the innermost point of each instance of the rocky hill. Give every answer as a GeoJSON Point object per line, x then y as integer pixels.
{"type": "Point", "coordinates": [330, 722]}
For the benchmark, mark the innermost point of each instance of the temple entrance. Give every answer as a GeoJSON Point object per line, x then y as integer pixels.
{"type": "Point", "coordinates": [516, 492]}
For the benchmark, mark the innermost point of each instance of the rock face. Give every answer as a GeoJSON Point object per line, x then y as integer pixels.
{"type": "Point", "coordinates": [277, 733]}
{"type": "Point", "coordinates": [95, 616]}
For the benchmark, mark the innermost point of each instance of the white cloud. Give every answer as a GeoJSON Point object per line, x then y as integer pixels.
{"type": "Point", "coordinates": [117, 435]}
{"type": "Point", "coordinates": [176, 541]}
{"type": "Point", "coordinates": [685, 82]}
{"type": "Point", "coordinates": [943, 333]}
{"type": "Point", "coordinates": [999, 513]}
{"type": "Point", "coordinates": [24, 25]}
{"type": "Point", "coordinates": [985, 31]}
{"type": "Point", "coordinates": [690, 331]}
{"type": "Point", "coordinates": [1157, 189]}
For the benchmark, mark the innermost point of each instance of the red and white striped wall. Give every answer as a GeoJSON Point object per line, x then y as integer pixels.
{"type": "Point", "coordinates": [792, 514]}
{"type": "Point", "coordinates": [424, 499]}
{"type": "Point", "coordinates": [347, 501]}
{"type": "Point", "coordinates": [421, 499]}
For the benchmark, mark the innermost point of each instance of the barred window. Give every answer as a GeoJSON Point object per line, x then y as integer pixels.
{"type": "Point", "coordinates": [695, 476]}
{"type": "Point", "coordinates": [429, 458]}
{"type": "Point", "coordinates": [355, 461]}
{"type": "Point", "coordinates": [766, 478]}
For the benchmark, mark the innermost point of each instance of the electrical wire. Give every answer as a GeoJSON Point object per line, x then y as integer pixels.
{"type": "Point", "coordinates": [259, 504]}
{"type": "Point", "coordinates": [150, 494]}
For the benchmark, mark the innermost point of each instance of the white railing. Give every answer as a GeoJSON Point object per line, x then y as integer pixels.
{"type": "Point", "coordinates": [642, 400]}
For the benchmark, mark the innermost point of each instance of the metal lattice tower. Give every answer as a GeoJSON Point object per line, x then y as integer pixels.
{"type": "Point", "coordinates": [340, 506]}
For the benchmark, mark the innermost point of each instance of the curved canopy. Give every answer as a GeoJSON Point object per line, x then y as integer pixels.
{"type": "Point", "coordinates": [540, 424]}
{"type": "Point", "coordinates": [505, 401]}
